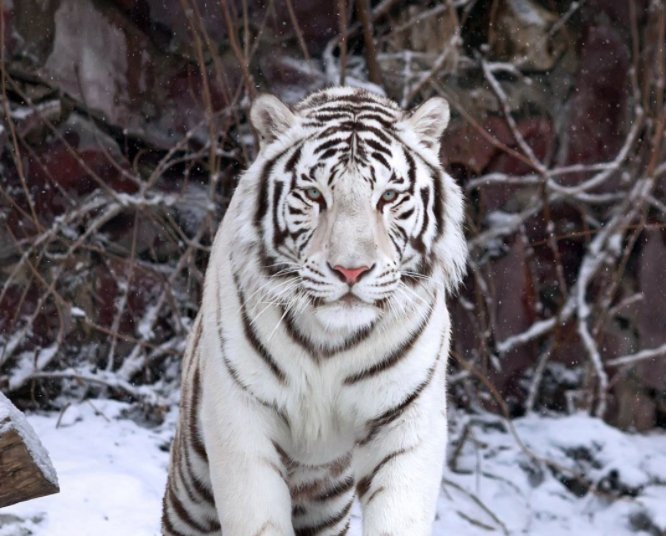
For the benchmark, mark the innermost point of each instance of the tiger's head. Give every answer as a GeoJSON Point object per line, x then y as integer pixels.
{"type": "Point", "coordinates": [353, 214]}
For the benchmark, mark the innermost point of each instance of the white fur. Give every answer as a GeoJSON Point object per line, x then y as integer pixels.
{"type": "Point", "coordinates": [327, 418]}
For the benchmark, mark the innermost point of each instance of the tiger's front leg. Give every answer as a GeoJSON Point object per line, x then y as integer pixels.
{"type": "Point", "coordinates": [248, 476]}
{"type": "Point", "coordinates": [398, 468]}
{"type": "Point", "coordinates": [322, 497]}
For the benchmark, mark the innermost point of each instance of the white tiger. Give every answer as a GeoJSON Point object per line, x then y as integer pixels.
{"type": "Point", "coordinates": [315, 371]}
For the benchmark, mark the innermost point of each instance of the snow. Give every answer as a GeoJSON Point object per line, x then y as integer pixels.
{"type": "Point", "coordinates": [112, 472]}
{"type": "Point", "coordinates": [145, 326]}
{"type": "Point", "coordinates": [527, 13]}
{"type": "Point", "coordinates": [499, 218]}
{"type": "Point", "coordinates": [78, 312]}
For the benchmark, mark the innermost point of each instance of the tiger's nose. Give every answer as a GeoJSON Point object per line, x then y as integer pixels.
{"type": "Point", "coordinates": [350, 275]}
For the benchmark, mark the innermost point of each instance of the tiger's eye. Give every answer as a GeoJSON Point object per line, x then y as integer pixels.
{"type": "Point", "coordinates": [389, 195]}
{"type": "Point", "coordinates": [313, 194]}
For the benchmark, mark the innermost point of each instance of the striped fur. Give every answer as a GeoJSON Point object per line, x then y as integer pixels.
{"type": "Point", "coordinates": [301, 390]}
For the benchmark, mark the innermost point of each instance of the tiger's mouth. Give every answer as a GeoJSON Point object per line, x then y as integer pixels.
{"type": "Point", "coordinates": [350, 300]}
{"type": "Point", "coordinates": [349, 313]}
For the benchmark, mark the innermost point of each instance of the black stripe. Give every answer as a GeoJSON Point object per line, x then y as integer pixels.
{"type": "Point", "coordinates": [328, 131]}
{"type": "Point", "coordinates": [237, 380]}
{"type": "Point", "coordinates": [235, 376]}
{"type": "Point", "coordinates": [295, 234]}
{"type": "Point", "coordinates": [366, 115]}
{"type": "Point", "coordinates": [295, 335]}
{"type": "Point", "coordinates": [230, 368]}
{"type": "Point", "coordinates": [178, 462]}
{"type": "Point", "coordinates": [262, 201]}
{"type": "Point", "coordinates": [406, 214]}
{"type": "Point", "coordinates": [199, 487]}
{"type": "Point", "coordinates": [253, 339]}
{"type": "Point", "coordinates": [327, 523]}
{"type": "Point", "coordinates": [314, 352]}
{"type": "Point", "coordinates": [296, 211]}
{"type": "Point", "coordinates": [306, 241]}
{"type": "Point", "coordinates": [398, 228]}
{"type": "Point", "coordinates": [406, 197]}
{"type": "Point", "coordinates": [351, 342]}
{"type": "Point", "coordinates": [306, 489]}
{"type": "Point", "coordinates": [328, 153]}
{"type": "Point", "coordinates": [381, 134]}
{"type": "Point", "coordinates": [298, 511]}
{"type": "Point", "coordinates": [378, 156]}
{"type": "Point", "coordinates": [278, 233]}
{"type": "Point", "coordinates": [376, 424]}
{"type": "Point", "coordinates": [397, 247]}
{"type": "Point", "coordinates": [167, 524]}
{"type": "Point", "coordinates": [390, 113]}
{"type": "Point", "coordinates": [339, 489]}
{"type": "Point", "coordinates": [378, 147]}
{"type": "Point", "coordinates": [205, 493]}
{"type": "Point", "coordinates": [284, 457]}
{"type": "Point", "coordinates": [360, 98]}
{"type": "Point", "coordinates": [344, 530]}
{"type": "Point", "coordinates": [193, 424]}
{"type": "Point", "coordinates": [438, 207]}
{"type": "Point", "coordinates": [393, 357]}
{"type": "Point", "coordinates": [290, 165]}
{"type": "Point", "coordinates": [374, 494]}
{"type": "Point", "coordinates": [411, 168]}
{"type": "Point", "coordinates": [324, 116]}
{"type": "Point", "coordinates": [187, 519]}
{"type": "Point", "coordinates": [275, 467]}
{"type": "Point", "coordinates": [425, 196]}
{"type": "Point", "coordinates": [328, 144]}
{"type": "Point", "coordinates": [371, 110]}
{"type": "Point", "coordinates": [417, 241]}
{"type": "Point", "coordinates": [364, 483]}
{"type": "Point", "coordinates": [272, 266]}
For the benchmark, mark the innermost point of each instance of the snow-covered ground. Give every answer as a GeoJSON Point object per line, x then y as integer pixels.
{"type": "Point", "coordinates": [535, 480]}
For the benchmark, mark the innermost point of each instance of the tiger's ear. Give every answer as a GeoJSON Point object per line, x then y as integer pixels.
{"type": "Point", "coordinates": [430, 120]}
{"type": "Point", "coordinates": [270, 117]}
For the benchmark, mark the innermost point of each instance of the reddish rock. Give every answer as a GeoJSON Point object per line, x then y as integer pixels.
{"type": "Point", "coordinates": [78, 172]}
{"type": "Point", "coordinates": [512, 295]}
{"type": "Point", "coordinates": [92, 59]}
{"type": "Point", "coordinates": [109, 64]}
{"type": "Point", "coordinates": [464, 145]}
{"type": "Point", "coordinates": [317, 19]}
{"type": "Point", "coordinates": [9, 38]}
{"type": "Point", "coordinates": [518, 31]}
{"type": "Point", "coordinates": [183, 104]}
{"type": "Point", "coordinates": [31, 30]}
{"type": "Point", "coordinates": [651, 318]}
{"type": "Point", "coordinates": [290, 79]}
{"type": "Point", "coordinates": [464, 148]}
{"type": "Point", "coordinates": [570, 248]}
{"type": "Point", "coordinates": [597, 125]}
{"type": "Point", "coordinates": [512, 290]}
{"type": "Point", "coordinates": [617, 10]}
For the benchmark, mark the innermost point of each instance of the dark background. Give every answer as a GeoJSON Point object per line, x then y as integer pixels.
{"type": "Point", "coordinates": [123, 130]}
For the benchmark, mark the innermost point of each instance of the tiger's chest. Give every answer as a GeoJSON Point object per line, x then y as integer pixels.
{"type": "Point", "coordinates": [332, 403]}
{"type": "Point", "coordinates": [325, 419]}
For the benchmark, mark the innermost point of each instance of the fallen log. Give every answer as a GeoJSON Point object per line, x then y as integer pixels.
{"type": "Point", "coordinates": [26, 471]}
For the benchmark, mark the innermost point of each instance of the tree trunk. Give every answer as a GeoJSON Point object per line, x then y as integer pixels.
{"type": "Point", "coordinates": [26, 471]}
